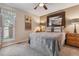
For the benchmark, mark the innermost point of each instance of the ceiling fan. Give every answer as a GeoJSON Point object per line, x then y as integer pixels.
{"type": "Point", "coordinates": [41, 5]}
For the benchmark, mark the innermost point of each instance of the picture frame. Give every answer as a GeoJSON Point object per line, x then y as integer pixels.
{"type": "Point", "coordinates": [27, 23]}
{"type": "Point", "coordinates": [57, 19]}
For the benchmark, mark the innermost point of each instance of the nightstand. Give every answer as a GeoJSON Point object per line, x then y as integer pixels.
{"type": "Point", "coordinates": [72, 39]}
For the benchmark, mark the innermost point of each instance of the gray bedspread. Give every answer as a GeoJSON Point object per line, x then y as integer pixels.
{"type": "Point", "coordinates": [46, 42]}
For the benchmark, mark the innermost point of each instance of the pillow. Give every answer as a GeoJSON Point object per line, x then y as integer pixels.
{"type": "Point", "coordinates": [48, 29]}
{"type": "Point", "coordinates": [58, 29]}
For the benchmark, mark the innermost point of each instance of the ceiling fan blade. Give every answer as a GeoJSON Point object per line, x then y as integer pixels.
{"type": "Point", "coordinates": [45, 7]}
{"type": "Point", "coordinates": [36, 6]}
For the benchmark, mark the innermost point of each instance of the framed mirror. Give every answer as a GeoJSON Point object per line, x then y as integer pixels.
{"type": "Point", "coordinates": [57, 19]}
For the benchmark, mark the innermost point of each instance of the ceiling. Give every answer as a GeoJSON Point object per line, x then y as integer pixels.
{"type": "Point", "coordinates": [40, 11]}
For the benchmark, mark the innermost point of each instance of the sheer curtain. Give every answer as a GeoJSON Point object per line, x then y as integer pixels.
{"type": "Point", "coordinates": [8, 23]}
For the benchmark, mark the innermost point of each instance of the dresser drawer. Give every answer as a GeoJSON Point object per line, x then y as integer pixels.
{"type": "Point", "coordinates": [77, 39]}
{"type": "Point", "coordinates": [73, 43]}
{"type": "Point", "coordinates": [71, 38]}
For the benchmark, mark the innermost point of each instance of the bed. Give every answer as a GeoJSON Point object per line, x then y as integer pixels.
{"type": "Point", "coordinates": [49, 43]}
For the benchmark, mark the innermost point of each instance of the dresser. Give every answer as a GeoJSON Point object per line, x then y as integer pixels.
{"type": "Point", "coordinates": [72, 39]}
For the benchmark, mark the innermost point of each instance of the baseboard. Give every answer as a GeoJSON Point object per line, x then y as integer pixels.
{"type": "Point", "coordinates": [11, 43]}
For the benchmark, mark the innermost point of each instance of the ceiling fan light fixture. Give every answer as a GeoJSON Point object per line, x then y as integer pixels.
{"type": "Point", "coordinates": [41, 4]}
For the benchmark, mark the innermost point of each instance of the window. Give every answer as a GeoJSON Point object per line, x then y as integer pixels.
{"type": "Point", "coordinates": [8, 24]}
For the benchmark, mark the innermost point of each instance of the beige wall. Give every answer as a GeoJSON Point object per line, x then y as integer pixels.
{"type": "Point", "coordinates": [71, 13]}
{"type": "Point", "coordinates": [21, 33]}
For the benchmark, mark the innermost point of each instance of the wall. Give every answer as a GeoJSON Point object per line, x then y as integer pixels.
{"type": "Point", "coordinates": [20, 33]}
{"type": "Point", "coordinates": [71, 13]}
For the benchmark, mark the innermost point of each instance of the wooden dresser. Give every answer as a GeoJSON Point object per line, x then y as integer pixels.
{"type": "Point", "coordinates": [72, 39]}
